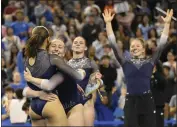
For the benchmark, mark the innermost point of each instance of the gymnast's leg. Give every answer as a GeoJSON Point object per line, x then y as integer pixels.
{"type": "Point", "coordinates": [89, 111]}
{"type": "Point", "coordinates": [76, 116]}
{"type": "Point", "coordinates": [54, 113]}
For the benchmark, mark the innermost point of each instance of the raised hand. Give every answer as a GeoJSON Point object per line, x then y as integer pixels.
{"type": "Point", "coordinates": [168, 17]}
{"type": "Point", "coordinates": [108, 16]}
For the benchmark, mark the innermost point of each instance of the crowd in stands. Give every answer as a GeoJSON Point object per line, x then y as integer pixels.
{"type": "Point", "coordinates": [67, 19]}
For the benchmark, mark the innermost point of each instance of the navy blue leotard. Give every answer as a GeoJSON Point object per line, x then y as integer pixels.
{"type": "Point", "coordinates": [45, 67]}
{"type": "Point", "coordinates": [137, 71]}
{"type": "Point", "coordinates": [67, 92]}
{"type": "Point", "coordinates": [89, 66]}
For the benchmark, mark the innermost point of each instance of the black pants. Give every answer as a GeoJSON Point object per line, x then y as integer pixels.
{"type": "Point", "coordinates": [139, 111]}
{"type": "Point", "coordinates": [159, 116]}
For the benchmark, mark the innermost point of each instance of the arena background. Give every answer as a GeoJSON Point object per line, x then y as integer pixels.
{"type": "Point", "coordinates": [67, 19]}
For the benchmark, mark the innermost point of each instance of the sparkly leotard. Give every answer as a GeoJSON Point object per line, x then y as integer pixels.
{"type": "Point", "coordinates": [89, 66]}
{"type": "Point", "coordinates": [137, 71]}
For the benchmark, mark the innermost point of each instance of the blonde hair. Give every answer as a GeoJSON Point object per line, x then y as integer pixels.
{"type": "Point", "coordinates": [141, 40]}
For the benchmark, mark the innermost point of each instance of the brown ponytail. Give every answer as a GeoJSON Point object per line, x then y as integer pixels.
{"type": "Point", "coordinates": [39, 34]}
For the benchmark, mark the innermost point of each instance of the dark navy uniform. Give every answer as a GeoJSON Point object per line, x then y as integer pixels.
{"type": "Point", "coordinates": [67, 92]}
{"type": "Point", "coordinates": [139, 107]}
{"type": "Point", "coordinates": [89, 66]}
{"type": "Point", "coordinates": [45, 67]}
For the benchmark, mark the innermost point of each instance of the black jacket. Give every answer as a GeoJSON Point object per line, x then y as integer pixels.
{"type": "Point", "coordinates": [158, 84]}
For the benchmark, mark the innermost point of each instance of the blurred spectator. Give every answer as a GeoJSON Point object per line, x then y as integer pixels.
{"type": "Point", "coordinates": [103, 112]}
{"type": "Point", "coordinates": [58, 27]}
{"type": "Point", "coordinates": [171, 63]}
{"type": "Point", "coordinates": [13, 57]}
{"type": "Point", "coordinates": [6, 100]}
{"type": "Point", "coordinates": [3, 73]}
{"type": "Point", "coordinates": [173, 28]}
{"type": "Point", "coordinates": [145, 8]}
{"type": "Point", "coordinates": [109, 5]}
{"type": "Point", "coordinates": [90, 30]}
{"type": "Point", "coordinates": [17, 82]}
{"type": "Point", "coordinates": [9, 40]}
{"type": "Point", "coordinates": [137, 20]}
{"type": "Point", "coordinates": [170, 88]}
{"type": "Point", "coordinates": [139, 33]}
{"type": "Point", "coordinates": [8, 20]}
{"type": "Point", "coordinates": [108, 52]}
{"type": "Point", "coordinates": [126, 18]}
{"type": "Point", "coordinates": [19, 26]}
{"type": "Point", "coordinates": [151, 47]}
{"type": "Point", "coordinates": [95, 10]}
{"type": "Point", "coordinates": [145, 26]}
{"type": "Point", "coordinates": [87, 10]}
{"type": "Point", "coordinates": [123, 50]}
{"type": "Point", "coordinates": [30, 24]}
{"type": "Point", "coordinates": [120, 33]}
{"type": "Point", "coordinates": [109, 73]}
{"type": "Point", "coordinates": [3, 30]}
{"type": "Point", "coordinates": [159, 25]}
{"type": "Point", "coordinates": [171, 47]}
{"type": "Point", "coordinates": [11, 8]}
{"type": "Point", "coordinates": [173, 106]}
{"type": "Point", "coordinates": [152, 35]}
{"type": "Point", "coordinates": [158, 84]}
{"type": "Point", "coordinates": [77, 13]}
{"type": "Point", "coordinates": [44, 22]}
{"type": "Point", "coordinates": [99, 44]}
{"type": "Point", "coordinates": [43, 10]}
{"type": "Point", "coordinates": [20, 64]}
{"type": "Point", "coordinates": [91, 54]}
{"type": "Point", "coordinates": [26, 107]}
{"type": "Point", "coordinates": [15, 108]}
{"type": "Point", "coordinates": [72, 32]}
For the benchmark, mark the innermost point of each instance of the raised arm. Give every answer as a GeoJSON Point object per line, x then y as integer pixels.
{"type": "Point", "coordinates": [111, 37]}
{"type": "Point", "coordinates": [61, 65]}
{"type": "Point", "coordinates": [164, 36]}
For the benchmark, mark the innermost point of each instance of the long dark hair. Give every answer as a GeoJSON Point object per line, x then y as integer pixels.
{"type": "Point", "coordinates": [149, 33]}
{"type": "Point", "coordinates": [39, 34]}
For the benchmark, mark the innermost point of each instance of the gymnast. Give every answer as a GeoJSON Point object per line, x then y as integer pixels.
{"type": "Point", "coordinates": [66, 91]}
{"type": "Point", "coordinates": [44, 65]}
{"type": "Point", "coordinates": [87, 91]}
{"type": "Point", "coordinates": [139, 107]}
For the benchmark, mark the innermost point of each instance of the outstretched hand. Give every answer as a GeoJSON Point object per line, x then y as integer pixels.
{"type": "Point", "coordinates": [108, 16]}
{"type": "Point", "coordinates": [168, 17]}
